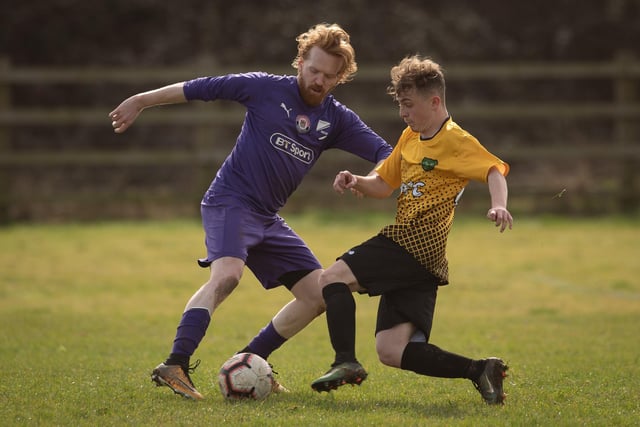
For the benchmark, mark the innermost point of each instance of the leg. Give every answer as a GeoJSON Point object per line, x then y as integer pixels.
{"type": "Point", "coordinates": [402, 345]}
{"type": "Point", "coordinates": [487, 375]}
{"type": "Point", "coordinates": [395, 349]}
{"type": "Point", "coordinates": [394, 334]}
{"type": "Point", "coordinates": [283, 258]}
{"type": "Point", "coordinates": [306, 306]}
{"type": "Point", "coordinates": [292, 318]}
{"type": "Point", "coordinates": [225, 276]}
{"type": "Point", "coordinates": [174, 372]}
{"type": "Point", "coordinates": [338, 283]}
{"type": "Point", "coordinates": [390, 343]}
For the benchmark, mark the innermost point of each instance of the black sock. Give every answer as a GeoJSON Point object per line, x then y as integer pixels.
{"type": "Point", "coordinates": [178, 359]}
{"type": "Point", "coordinates": [427, 359]}
{"type": "Point", "coordinates": [245, 350]}
{"type": "Point", "coordinates": [341, 321]}
{"type": "Point", "coordinates": [475, 369]}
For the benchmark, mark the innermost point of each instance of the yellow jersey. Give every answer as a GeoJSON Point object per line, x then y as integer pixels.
{"type": "Point", "coordinates": [431, 175]}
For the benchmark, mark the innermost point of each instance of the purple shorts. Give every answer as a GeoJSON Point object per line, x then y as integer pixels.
{"type": "Point", "coordinates": [267, 245]}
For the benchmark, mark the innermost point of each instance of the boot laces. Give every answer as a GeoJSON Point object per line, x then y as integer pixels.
{"type": "Point", "coordinates": [188, 369]}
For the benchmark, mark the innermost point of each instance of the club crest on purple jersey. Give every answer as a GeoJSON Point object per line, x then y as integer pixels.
{"type": "Point", "coordinates": [303, 124]}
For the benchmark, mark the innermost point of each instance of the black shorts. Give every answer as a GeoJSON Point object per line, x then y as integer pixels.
{"type": "Point", "coordinates": [408, 290]}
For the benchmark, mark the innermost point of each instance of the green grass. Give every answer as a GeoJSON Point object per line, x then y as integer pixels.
{"type": "Point", "coordinates": [86, 311]}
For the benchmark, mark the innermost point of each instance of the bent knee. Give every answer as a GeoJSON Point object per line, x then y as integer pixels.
{"type": "Point", "coordinates": [313, 303]}
{"type": "Point", "coordinates": [224, 285]}
{"type": "Point", "coordinates": [308, 292]}
{"type": "Point", "coordinates": [327, 277]}
{"type": "Point", "coordinates": [390, 349]}
{"type": "Point", "coordinates": [317, 305]}
{"type": "Point", "coordinates": [389, 357]}
{"type": "Point", "coordinates": [339, 272]}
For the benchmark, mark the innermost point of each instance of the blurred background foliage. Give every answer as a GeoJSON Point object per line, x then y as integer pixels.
{"type": "Point", "coordinates": [44, 175]}
{"type": "Point", "coordinates": [154, 32]}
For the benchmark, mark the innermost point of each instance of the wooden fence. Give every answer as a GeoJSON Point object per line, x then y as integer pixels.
{"type": "Point", "coordinates": [532, 183]}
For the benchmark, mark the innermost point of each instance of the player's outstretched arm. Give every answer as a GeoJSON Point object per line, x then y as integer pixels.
{"type": "Point", "coordinates": [371, 185]}
{"type": "Point", "coordinates": [128, 111]}
{"type": "Point", "coordinates": [373, 172]}
{"type": "Point", "coordinates": [498, 191]}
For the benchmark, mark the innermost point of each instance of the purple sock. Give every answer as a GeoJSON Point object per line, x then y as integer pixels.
{"type": "Point", "coordinates": [191, 330]}
{"type": "Point", "coordinates": [266, 342]}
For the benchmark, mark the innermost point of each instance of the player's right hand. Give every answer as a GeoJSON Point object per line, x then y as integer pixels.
{"type": "Point", "coordinates": [125, 114]}
{"type": "Point", "coordinates": [344, 180]}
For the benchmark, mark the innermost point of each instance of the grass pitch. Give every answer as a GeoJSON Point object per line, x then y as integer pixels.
{"type": "Point", "coordinates": [88, 310]}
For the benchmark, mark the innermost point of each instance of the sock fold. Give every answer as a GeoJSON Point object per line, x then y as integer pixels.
{"type": "Point", "coordinates": [190, 332]}
{"type": "Point", "coordinates": [266, 342]}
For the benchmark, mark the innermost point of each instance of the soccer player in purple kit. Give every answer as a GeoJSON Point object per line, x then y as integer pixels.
{"type": "Point", "coordinates": [290, 121]}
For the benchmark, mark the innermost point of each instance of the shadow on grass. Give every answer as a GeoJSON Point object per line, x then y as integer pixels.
{"type": "Point", "coordinates": [335, 406]}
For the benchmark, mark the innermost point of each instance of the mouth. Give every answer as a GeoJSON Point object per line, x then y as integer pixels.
{"type": "Point", "coordinates": [313, 95]}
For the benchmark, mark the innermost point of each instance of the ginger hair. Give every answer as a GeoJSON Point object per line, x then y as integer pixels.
{"type": "Point", "coordinates": [332, 39]}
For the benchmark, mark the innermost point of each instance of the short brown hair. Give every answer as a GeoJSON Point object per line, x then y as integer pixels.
{"type": "Point", "coordinates": [423, 74]}
{"type": "Point", "coordinates": [332, 39]}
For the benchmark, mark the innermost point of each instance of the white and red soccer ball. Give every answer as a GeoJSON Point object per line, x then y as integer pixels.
{"type": "Point", "coordinates": [245, 376]}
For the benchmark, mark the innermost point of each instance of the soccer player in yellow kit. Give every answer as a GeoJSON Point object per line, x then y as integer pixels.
{"type": "Point", "coordinates": [406, 262]}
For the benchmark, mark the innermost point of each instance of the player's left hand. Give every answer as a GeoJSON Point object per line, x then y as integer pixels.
{"type": "Point", "coordinates": [501, 217]}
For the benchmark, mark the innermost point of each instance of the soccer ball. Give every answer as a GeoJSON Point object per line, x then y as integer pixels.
{"type": "Point", "coordinates": [245, 376]}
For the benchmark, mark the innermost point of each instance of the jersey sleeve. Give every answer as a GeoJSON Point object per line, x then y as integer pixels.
{"type": "Point", "coordinates": [473, 161]}
{"type": "Point", "coordinates": [357, 138]}
{"type": "Point", "coordinates": [391, 169]}
{"type": "Point", "coordinates": [232, 87]}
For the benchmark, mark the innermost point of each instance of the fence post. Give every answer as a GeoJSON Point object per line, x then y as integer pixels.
{"type": "Point", "coordinates": [626, 132]}
{"type": "Point", "coordinates": [5, 105]}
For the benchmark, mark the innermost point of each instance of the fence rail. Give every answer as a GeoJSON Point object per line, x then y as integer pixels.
{"type": "Point", "coordinates": [98, 117]}
{"type": "Point", "coordinates": [625, 67]}
{"type": "Point", "coordinates": [621, 148]}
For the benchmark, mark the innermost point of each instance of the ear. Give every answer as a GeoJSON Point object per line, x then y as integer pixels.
{"type": "Point", "coordinates": [435, 102]}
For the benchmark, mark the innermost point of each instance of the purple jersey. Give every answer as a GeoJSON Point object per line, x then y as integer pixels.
{"type": "Point", "coordinates": [281, 137]}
